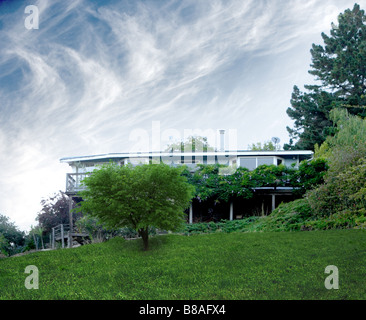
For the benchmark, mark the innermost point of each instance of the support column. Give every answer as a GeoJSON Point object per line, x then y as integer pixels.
{"type": "Point", "coordinates": [231, 211]}
{"type": "Point", "coordinates": [191, 214]}
{"type": "Point", "coordinates": [62, 236]}
{"type": "Point", "coordinates": [273, 202]}
{"type": "Point", "coordinates": [69, 244]}
{"type": "Point", "coordinates": [70, 213]}
{"type": "Point", "coordinates": [53, 238]}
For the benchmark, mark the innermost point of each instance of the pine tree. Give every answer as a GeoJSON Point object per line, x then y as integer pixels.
{"type": "Point", "coordinates": [340, 66]}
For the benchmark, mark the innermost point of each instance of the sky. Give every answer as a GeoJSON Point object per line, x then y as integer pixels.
{"type": "Point", "coordinates": [94, 77]}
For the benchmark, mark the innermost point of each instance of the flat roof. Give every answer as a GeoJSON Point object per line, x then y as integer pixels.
{"type": "Point", "coordinates": [116, 156]}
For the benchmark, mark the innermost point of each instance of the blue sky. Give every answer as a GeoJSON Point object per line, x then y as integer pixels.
{"type": "Point", "coordinates": [97, 71]}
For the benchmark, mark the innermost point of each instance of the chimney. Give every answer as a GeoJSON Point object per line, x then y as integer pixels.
{"type": "Point", "coordinates": [222, 140]}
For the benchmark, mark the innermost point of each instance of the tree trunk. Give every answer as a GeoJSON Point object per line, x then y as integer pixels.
{"type": "Point", "coordinates": [144, 234]}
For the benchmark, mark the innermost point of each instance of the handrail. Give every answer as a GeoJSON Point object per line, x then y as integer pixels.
{"type": "Point", "coordinates": [63, 231]}
{"type": "Point", "coordinates": [73, 181]}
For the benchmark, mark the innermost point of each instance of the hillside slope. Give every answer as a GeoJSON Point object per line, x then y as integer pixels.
{"type": "Point", "coordinates": [273, 265]}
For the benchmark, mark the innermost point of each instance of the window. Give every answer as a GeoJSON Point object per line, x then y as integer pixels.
{"type": "Point", "coordinates": [249, 163]}
{"type": "Point", "coordinates": [253, 162]}
{"type": "Point", "coordinates": [267, 160]}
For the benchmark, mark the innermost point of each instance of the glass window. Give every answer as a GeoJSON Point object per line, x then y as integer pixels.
{"type": "Point", "coordinates": [268, 161]}
{"type": "Point", "coordinates": [249, 163]}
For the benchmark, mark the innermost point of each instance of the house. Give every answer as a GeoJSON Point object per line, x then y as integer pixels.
{"type": "Point", "coordinates": [270, 197]}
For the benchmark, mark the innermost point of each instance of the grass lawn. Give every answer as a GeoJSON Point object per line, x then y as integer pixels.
{"type": "Point", "coordinates": [273, 265]}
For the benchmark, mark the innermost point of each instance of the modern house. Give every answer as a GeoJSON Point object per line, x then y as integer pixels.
{"type": "Point", "coordinates": [270, 196]}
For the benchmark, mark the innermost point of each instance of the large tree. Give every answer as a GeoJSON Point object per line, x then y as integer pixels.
{"type": "Point", "coordinates": [140, 197]}
{"type": "Point", "coordinates": [340, 66]}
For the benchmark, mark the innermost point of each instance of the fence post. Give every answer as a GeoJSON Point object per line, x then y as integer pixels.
{"type": "Point", "coordinates": [53, 238]}
{"type": "Point", "coordinates": [62, 236]}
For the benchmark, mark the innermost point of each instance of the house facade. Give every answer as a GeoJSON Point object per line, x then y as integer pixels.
{"type": "Point", "coordinates": [81, 167]}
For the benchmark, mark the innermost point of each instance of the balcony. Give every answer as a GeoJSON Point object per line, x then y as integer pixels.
{"type": "Point", "coordinates": [73, 182]}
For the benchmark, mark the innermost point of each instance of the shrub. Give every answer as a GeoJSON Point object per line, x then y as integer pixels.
{"type": "Point", "coordinates": [309, 175]}
{"type": "Point", "coordinates": [342, 191]}
{"type": "Point", "coordinates": [226, 226]}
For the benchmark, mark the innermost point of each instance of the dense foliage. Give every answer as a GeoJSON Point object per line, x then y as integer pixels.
{"type": "Point", "coordinates": [309, 175]}
{"type": "Point", "coordinates": [217, 182]}
{"type": "Point", "coordinates": [11, 238]}
{"type": "Point", "coordinates": [344, 190]}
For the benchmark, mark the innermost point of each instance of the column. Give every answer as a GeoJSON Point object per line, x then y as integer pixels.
{"type": "Point", "coordinates": [62, 236]}
{"type": "Point", "coordinates": [191, 214]}
{"type": "Point", "coordinates": [231, 211]}
{"type": "Point", "coordinates": [273, 202]}
{"type": "Point", "coordinates": [53, 238]}
{"type": "Point", "coordinates": [70, 213]}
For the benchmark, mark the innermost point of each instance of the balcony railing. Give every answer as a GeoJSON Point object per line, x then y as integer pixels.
{"type": "Point", "coordinates": [73, 182]}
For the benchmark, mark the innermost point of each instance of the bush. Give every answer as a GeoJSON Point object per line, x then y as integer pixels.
{"type": "Point", "coordinates": [309, 175]}
{"type": "Point", "coordinates": [342, 191]}
{"type": "Point", "coordinates": [226, 226]}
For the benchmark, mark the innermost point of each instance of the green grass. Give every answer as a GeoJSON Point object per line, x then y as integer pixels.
{"type": "Point", "coordinates": [259, 265]}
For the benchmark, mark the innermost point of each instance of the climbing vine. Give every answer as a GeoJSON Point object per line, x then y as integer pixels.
{"type": "Point", "coordinates": [214, 181]}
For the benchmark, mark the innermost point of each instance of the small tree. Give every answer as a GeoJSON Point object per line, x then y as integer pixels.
{"type": "Point", "coordinates": [193, 143]}
{"type": "Point", "coordinates": [267, 146]}
{"type": "Point", "coordinates": [137, 197]}
{"type": "Point", "coordinates": [55, 211]}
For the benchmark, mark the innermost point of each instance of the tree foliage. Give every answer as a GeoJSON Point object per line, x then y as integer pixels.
{"type": "Point", "coordinates": [137, 197]}
{"type": "Point", "coordinates": [10, 236]}
{"type": "Point", "coordinates": [340, 66]}
{"type": "Point", "coordinates": [192, 144]}
{"type": "Point", "coordinates": [344, 188]}
{"type": "Point", "coordinates": [267, 146]}
{"type": "Point", "coordinates": [55, 211]}
{"type": "Point", "coordinates": [309, 175]}
{"type": "Point", "coordinates": [210, 182]}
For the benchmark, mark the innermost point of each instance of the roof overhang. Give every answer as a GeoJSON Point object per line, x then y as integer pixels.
{"type": "Point", "coordinates": [121, 156]}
